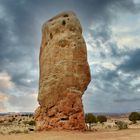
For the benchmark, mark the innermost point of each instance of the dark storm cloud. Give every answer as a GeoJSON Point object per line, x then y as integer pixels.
{"type": "Point", "coordinates": [21, 79]}
{"type": "Point", "coordinates": [111, 92]}
{"type": "Point", "coordinates": [116, 86]}
{"type": "Point", "coordinates": [106, 82]}
{"type": "Point", "coordinates": [18, 49]}
{"type": "Point", "coordinates": [20, 35]}
{"type": "Point", "coordinates": [132, 64]}
{"type": "Point", "coordinates": [111, 83]}
{"type": "Point", "coordinates": [127, 100]}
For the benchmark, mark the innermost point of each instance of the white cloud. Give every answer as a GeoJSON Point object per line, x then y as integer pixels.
{"type": "Point", "coordinates": [105, 64]}
{"type": "Point", "coordinates": [19, 100]}
{"type": "Point", "coordinates": [3, 100]}
{"type": "Point", "coordinates": [136, 1]}
{"type": "Point", "coordinates": [3, 97]}
{"type": "Point", "coordinates": [2, 12]}
{"type": "Point", "coordinates": [128, 41]}
{"type": "Point", "coordinates": [135, 81]}
{"type": "Point", "coordinates": [23, 103]}
{"type": "Point", "coordinates": [126, 31]}
{"type": "Point", "coordinates": [5, 81]}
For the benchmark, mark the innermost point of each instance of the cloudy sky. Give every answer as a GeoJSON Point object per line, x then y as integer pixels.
{"type": "Point", "coordinates": [111, 29]}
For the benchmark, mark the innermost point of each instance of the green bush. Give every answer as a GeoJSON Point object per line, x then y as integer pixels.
{"type": "Point", "coordinates": [121, 125]}
{"type": "Point", "coordinates": [90, 118]}
{"type": "Point", "coordinates": [134, 117]}
{"type": "Point", "coordinates": [101, 118]}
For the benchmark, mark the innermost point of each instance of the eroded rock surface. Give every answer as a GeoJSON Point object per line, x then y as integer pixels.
{"type": "Point", "coordinates": [64, 74]}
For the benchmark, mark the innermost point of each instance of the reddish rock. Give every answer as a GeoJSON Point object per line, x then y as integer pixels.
{"type": "Point", "coordinates": [64, 74]}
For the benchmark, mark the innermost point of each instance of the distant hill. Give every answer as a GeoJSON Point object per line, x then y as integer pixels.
{"type": "Point", "coordinates": [16, 113]}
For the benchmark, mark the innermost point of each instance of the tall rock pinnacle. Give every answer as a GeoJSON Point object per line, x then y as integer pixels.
{"type": "Point", "coordinates": [64, 74]}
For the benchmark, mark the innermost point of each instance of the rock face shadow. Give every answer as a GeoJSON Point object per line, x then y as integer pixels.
{"type": "Point", "coordinates": [64, 74]}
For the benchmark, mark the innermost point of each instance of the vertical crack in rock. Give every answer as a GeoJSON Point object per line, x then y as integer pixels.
{"type": "Point", "coordinates": [64, 74]}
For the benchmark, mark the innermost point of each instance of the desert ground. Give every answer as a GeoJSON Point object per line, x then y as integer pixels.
{"type": "Point", "coordinates": [20, 127]}
{"type": "Point", "coordinates": [129, 134]}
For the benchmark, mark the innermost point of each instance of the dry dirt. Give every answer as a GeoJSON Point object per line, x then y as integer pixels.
{"type": "Point", "coordinates": [129, 134]}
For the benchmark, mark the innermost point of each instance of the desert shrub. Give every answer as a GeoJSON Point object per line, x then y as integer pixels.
{"type": "Point", "coordinates": [30, 115]}
{"type": "Point", "coordinates": [101, 118]}
{"type": "Point", "coordinates": [90, 118]}
{"type": "Point", "coordinates": [108, 126]}
{"type": "Point", "coordinates": [16, 131]}
{"type": "Point", "coordinates": [25, 122]}
{"type": "Point", "coordinates": [121, 125]}
{"type": "Point", "coordinates": [12, 119]}
{"type": "Point", "coordinates": [134, 117]}
{"type": "Point", "coordinates": [26, 131]}
{"type": "Point", "coordinates": [1, 133]}
{"type": "Point", "coordinates": [31, 122]}
{"type": "Point", "coordinates": [1, 121]}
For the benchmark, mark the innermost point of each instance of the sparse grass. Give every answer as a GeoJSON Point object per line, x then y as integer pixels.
{"type": "Point", "coordinates": [17, 124]}
{"type": "Point", "coordinates": [121, 125]}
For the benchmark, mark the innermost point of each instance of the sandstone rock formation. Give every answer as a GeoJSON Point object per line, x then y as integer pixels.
{"type": "Point", "coordinates": [64, 74]}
